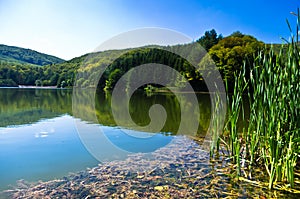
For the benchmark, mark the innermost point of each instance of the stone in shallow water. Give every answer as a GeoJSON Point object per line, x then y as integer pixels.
{"type": "Point", "coordinates": [161, 188]}
{"type": "Point", "coordinates": [179, 170]}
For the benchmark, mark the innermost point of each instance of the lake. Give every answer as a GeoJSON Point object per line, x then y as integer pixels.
{"type": "Point", "coordinates": [39, 137]}
{"type": "Point", "coordinates": [64, 137]}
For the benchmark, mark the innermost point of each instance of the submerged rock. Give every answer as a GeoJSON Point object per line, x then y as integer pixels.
{"type": "Point", "coordinates": [180, 170]}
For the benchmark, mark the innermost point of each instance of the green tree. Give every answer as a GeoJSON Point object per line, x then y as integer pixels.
{"type": "Point", "coordinates": [209, 39]}
{"type": "Point", "coordinates": [229, 54]}
{"type": "Point", "coordinates": [113, 78]}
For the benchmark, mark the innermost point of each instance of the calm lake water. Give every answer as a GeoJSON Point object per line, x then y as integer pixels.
{"type": "Point", "coordinates": [39, 137]}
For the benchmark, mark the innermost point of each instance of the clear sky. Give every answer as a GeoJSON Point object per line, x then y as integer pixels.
{"type": "Point", "coordinates": [70, 28]}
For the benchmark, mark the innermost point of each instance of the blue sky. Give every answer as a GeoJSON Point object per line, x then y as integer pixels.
{"type": "Point", "coordinates": [70, 28]}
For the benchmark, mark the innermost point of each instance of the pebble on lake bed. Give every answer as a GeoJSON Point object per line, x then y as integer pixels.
{"type": "Point", "coordinates": [180, 170]}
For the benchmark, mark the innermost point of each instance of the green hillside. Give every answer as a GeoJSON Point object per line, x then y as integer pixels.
{"type": "Point", "coordinates": [228, 53]}
{"type": "Point", "coordinates": [12, 54]}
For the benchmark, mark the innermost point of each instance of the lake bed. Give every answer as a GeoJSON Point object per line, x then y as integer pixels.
{"type": "Point", "coordinates": [43, 154]}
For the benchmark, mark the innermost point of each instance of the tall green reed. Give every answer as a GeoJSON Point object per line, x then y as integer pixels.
{"type": "Point", "coordinates": [273, 135]}
{"type": "Point", "coordinates": [234, 111]}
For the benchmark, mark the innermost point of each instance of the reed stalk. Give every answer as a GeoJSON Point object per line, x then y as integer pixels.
{"type": "Point", "coordinates": [272, 138]}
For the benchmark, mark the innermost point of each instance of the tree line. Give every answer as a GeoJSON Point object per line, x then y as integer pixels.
{"type": "Point", "coordinates": [228, 53]}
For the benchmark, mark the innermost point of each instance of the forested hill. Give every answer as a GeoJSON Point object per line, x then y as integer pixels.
{"type": "Point", "coordinates": [228, 54]}
{"type": "Point", "coordinates": [12, 54]}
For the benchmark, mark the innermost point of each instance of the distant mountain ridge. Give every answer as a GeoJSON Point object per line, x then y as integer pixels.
{"type": "Point", "coordinates": [13, 54]}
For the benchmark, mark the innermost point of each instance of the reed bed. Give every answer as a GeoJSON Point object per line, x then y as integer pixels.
{"type": "Point", "coordinates": [271, 139]}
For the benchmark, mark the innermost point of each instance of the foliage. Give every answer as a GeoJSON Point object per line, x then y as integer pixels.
{"type": "Point", "coordinates": [7, 83]}
{"type": "Point", "coordinates": [12, 54]}
{"type": "Point", "coordinates": [19, 74]}
{"type": "Point", "coordinates": [272, 138]}
{"type": "Point", "coordinates": [209, 39]}
{"type": "Point", "coordinates": [231, 52]}
{"type": "Point", "coordinates": [228, 53]}
{"type": "Point", "coordinates": [137, 57]}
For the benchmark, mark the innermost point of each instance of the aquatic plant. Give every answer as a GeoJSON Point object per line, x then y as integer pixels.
{"type": "Point", "coordinates": [272, 137]}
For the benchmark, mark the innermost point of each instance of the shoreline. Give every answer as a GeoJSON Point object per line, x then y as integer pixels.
{"type": "Point", "coordinates": [27, 86]}
{"type": "Point", "coordinates": [31, 87]}
{"type": "Point", "coordinates": [182, 169]}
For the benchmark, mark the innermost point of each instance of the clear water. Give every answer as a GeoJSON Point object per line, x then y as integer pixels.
{"type": "Point", "coordinates": [44, 150]}
{"type": "Point", "coordinates": [39, 138]}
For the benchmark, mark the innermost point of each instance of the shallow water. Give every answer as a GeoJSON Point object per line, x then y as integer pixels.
{"type": "Point", "coordinates": [42, 137]}
{"type": "Point", "coordinates": [44, 150]}
{"type": "Point", "coordinates": [181, 169]}
{"type": "Point", "coordinates": [39, 137]}
{"type": "Point", "coordinates": [52, 148]}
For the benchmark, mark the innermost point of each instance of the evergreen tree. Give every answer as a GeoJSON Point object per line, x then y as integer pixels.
{"type": "Point", "coordinates": [209, 39]}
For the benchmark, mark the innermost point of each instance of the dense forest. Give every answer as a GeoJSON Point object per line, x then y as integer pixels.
{"type": "Point", "coordinates": [12, 54]}
{"type": "Point", "coordinates": [19, 66]}
{"type": "Point", "coordinates": [228, 54]}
